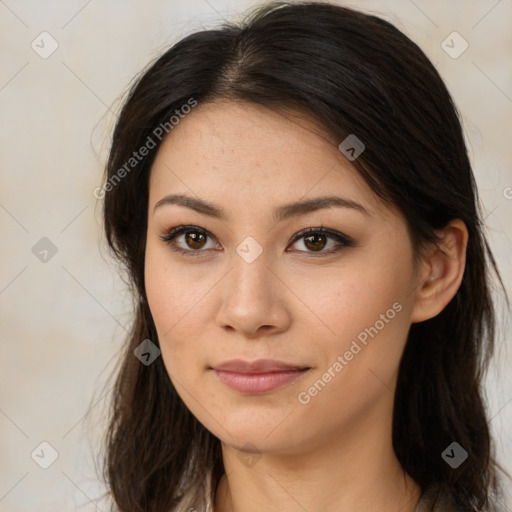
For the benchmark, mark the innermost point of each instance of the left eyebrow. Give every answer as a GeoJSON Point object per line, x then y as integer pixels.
{"type": "Point", "coordinates": [280, 214]}
{"type": "Point", "coordinates": [318, 203]}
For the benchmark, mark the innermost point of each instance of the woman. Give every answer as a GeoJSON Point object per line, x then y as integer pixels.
{"type": "Point", "coordinates": [294, 204]}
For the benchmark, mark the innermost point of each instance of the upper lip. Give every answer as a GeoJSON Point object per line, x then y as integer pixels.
{"type": "Point", "coordinates": [258, 366]}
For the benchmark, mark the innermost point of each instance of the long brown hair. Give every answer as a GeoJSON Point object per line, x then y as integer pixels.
{"type": "Point", "coordinates": [352, 73]}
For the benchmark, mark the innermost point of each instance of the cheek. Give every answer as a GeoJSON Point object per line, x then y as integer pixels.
{"type": "Point", "coordinates": [353, 299]}
{"type": "Point", "coordinates": [358, 363]}
{"type": "Point", "coordinates": [364, 310]}
{"type": "Point", "coordinates": [176, 299]}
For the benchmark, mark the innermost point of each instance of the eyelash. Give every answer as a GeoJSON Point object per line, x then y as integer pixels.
{"type": "Point", "coordinates": [343, 240]}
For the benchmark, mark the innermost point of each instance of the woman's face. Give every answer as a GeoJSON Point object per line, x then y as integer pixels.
{"type": "Point", "coordinates": [333, 313]}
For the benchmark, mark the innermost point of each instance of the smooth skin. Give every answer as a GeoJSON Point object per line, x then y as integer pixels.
{"type": "Point", "coordinates": [301, 301]}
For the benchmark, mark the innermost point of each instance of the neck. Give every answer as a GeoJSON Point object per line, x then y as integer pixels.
{"type": "Point", "coordinates": [353, 470]}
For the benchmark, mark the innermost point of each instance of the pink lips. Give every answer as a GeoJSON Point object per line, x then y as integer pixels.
{"type": "Point", "coordinates": [258, 376]}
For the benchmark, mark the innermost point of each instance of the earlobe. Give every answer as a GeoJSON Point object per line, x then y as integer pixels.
{"type": "Point", "coordinates": [442, 274]}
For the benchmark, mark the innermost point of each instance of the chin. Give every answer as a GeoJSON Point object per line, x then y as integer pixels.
{"type": "Point", "coordinates": [248, 433]}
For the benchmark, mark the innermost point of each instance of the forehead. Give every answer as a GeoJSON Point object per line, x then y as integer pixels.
{"type": "Point", "coordinates": [266, 155]}
{"type": "Point", "coordinates": [228, 128]}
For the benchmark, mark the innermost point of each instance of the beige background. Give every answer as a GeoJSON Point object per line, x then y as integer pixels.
{"type": "Point", "coordinates": [62, 321]}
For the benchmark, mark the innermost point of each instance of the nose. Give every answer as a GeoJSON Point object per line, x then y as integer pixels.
{"type": "Point", "coordinates": [254, 299]}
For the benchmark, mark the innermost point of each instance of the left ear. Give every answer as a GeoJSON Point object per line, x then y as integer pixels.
{"type": "Point", "coordinates": [442, 272]}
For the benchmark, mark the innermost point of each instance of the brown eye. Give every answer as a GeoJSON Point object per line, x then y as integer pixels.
{"type": "Point", "coordinates": [188, 240]}
{"type": "Point", "coordinates": [195, 240]}
{"type": "Point", "coordinates": [315, 242]}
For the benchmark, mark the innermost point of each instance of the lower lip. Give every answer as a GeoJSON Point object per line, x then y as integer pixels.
{"type": "Point", "coordinates": [254, 383]}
